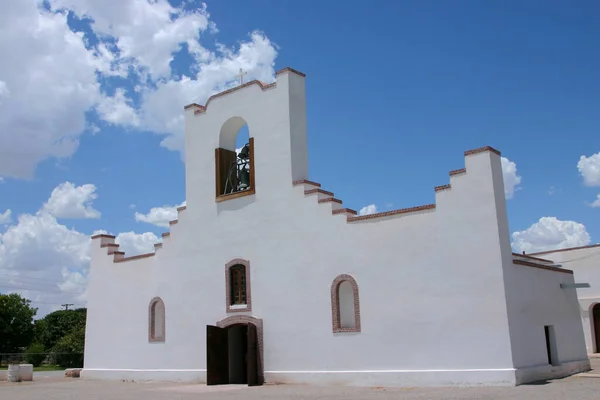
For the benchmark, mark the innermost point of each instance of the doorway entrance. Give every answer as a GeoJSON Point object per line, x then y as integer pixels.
{"type": "Point", "coordinates": [596, 324]}
{"type": "Point", "coordinates": [232, 355]}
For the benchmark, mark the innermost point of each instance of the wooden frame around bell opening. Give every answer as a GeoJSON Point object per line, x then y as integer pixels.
{"type": "Point", "coordinates": [223, 158]}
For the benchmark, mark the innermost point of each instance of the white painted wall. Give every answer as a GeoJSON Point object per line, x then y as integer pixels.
{"type": "Point", "coordinates": [535, 299]}
{"type": "Point", "coordinates": [585, 263]}
{"type": "Point", "coordinates": [431, 283]}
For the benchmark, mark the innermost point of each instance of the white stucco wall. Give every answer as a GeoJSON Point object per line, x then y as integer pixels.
{"type": "Point", "coordinates": [431, 283]}
{"type": "Point", "coordinates": [535, 299]}
{"type": "Point", "coordinates": [585, 263]}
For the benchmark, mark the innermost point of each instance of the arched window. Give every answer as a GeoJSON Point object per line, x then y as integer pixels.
{"type": "Point", "coordinates": [156, 320]}
{"type": "Point", "coordinates": [234, 161]}
{"type": "Point", "coordinates": [345, 310]}
{"type": "Point", "coordinates": [237, 275]}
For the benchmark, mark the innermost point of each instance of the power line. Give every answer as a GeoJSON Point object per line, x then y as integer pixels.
{"type": "Point", "coordinates": [66, 306]}
{"type": "Point", "coordinates": [21, 276]}
{"type": "Point", "coordinates": [39, 290]}
{"type": "Point", "coordinates": [50, 304]}
{"type": "Point", "coordinates": [36, 283]}
{"type": "Point", "coordinates": [581, 258]}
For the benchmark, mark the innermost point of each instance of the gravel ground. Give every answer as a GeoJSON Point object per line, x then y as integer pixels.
{"type": "Point", "coordinates": [55, 387]}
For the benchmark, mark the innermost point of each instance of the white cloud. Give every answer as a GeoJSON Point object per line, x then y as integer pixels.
{"type": "Point", "coordinates": [159, 216]}
{"type": "Point", "coordinates": [4, 92]}
{"type": "Point", "coordinates": [510, 177]}
{"type": "Point", "coordinates": [117, 109]}
{"type": "Point", "coordinates": [51, 75]}
{"type": "Point", "coordinates": [48, 263]}
{"type": "Point", "coordinates": [595, 203]}
{"type": "Point", "coordinates": [44, 261]}
{"type": "Point", "coordinates": [147, 33]}
{"type": "Point", "coordinates": [5, 217]}
{"type": "Point", "coordinates": [589, 168]}
{"type": "Point", "coordinates": [550, 233]}
{"type": "Point", "coordinates": [48, 82]}
{"type": "Point", "coordinates": [136, 243]}
{"type": "Point", "coordinates": [366, 210]}
{"type": "Point", "coordinates": [70, 201]}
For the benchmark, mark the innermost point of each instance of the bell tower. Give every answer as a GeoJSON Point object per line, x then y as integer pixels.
{"type": "Point", "coordinates": [275, 154]}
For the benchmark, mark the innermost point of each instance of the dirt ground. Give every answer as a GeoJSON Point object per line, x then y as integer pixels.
{"type": "Point", "coordinates": [53, 386]}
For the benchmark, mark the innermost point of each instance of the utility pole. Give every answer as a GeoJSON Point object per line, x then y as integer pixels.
{"type": "Point", "coordinates": [66, 306]}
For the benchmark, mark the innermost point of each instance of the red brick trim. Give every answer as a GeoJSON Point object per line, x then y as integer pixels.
{"type": "Point", "coordinates": [192, 105]}
{"type": "Point", "coordinates": [264, 86]}
{"type": "Point", "coordinates": [166, 234]}
{"type": "Point", "coordinates": [335, 304]}
{"type": "Point", "coordinates": [180, 209]}
{"type": "Point", "coordinates": [248, 319]}
{"type": "Point", "coordinates": [109, 245]}
{"type": "Point", "coordinates": [305, 181]}
{"type": "Point", "coordinates": [567, 249]}
{"type": "Point", "coordinates": [228, 307]}
{"type": "Point", "coordinates": [321, 191]}
{"type": "Point", "coordinates": [546, 267]}
{"type": "Point", "coordinates": [289, 69]}
{"type": "Point", "coordinates": [458, 171]}
{"type": "Point", "coordinates": [440, 188]}
{"type": "Point", "coordinates": [103, 235]}
{"type": "Point", "coordinates": [344, 210]}
{"type": "Point", "coordinates": [481, 150]}
{"type": "Point", "coordinates": [136, 257]}
{"type": "Point", "coordinates": [330, 200]}
{"type": "Point", "coordinates": [151, 316]}
{"type": "Point", "coordinates": [393, 212]}
{"type": "Point", "coordinates": [173, 222]}
{"type": "Point", "coordinates": [533, 258]}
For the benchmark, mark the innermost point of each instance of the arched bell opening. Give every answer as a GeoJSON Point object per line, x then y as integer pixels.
{"type": "Point", "coordinates": [234, 160]}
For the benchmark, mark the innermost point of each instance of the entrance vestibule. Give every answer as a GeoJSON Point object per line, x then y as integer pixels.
{"type": "Point", "coordinates": [232, 355]}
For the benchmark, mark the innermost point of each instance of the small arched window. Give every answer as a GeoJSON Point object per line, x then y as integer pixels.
{"type": "Point", "coordinates": [156, 322]}
{"type": "Point", "coordinates": [237, 275]}
{"type": "Point", "coordinates": [345, 308]}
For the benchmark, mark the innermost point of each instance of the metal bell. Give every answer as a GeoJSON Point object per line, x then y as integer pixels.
{"type": "Point", "coordinates": [244, 176]}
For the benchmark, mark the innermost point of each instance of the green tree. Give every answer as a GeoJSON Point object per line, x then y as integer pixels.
{"type": "Point", "coordinates": [69, 349]}
{"type": "Point", "coordinates": [16, 323]}
{"type": "Point", "coordinates": [39, 329]}
{"type": "Point", "coordinates": [59, 324]}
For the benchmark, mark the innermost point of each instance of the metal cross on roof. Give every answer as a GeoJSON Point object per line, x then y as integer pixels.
{"type": "Point", "coordinates": [240, 75]}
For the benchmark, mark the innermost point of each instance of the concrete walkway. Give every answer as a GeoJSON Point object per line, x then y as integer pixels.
{"type": "Point", "coordinates": [52, 385]}
{"type": "Point", "coordinates": [595, 364]}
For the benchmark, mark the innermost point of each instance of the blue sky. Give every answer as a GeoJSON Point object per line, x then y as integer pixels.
{"type": "Point", "coordinates": [396, 92]}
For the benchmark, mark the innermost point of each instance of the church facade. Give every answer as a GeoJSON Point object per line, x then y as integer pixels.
{"type": "Point", "coordinates": [266, 277]}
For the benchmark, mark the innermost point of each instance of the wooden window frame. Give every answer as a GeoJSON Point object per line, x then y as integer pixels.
{"type": "Point", "coordinates": [219, 177]}
{"type": "Point", "coordinates": [152, 321]}
{"type": "Point", "coordinates": [237, 283]}
{"type": "Point", "coordinates": [335, 304]}
{"type": "Point", "coordinates": [232, 308]}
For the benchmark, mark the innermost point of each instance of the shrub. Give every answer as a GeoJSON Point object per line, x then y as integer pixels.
{"type": "Point", "coordinates": [69, 349]}
{"type": "Point", "coordinates": [35, 354]}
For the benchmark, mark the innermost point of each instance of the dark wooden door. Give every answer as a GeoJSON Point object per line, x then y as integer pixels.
{"type": "Point", "coordinates": [217, 356]}
{"type": "Point", "coordinates": [596, 316]}
{"type": "Point", "coordinates": [252, 358]}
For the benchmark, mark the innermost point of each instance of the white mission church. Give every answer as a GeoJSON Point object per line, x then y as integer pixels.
{"type": "Point", "coordinates": [428, 295]}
